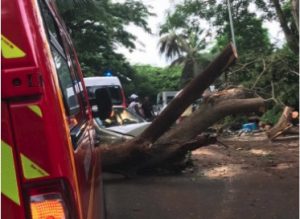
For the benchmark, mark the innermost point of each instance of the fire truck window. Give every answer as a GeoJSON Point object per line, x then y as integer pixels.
{"type": "Point", "coordinates": [65, 81]}
{"type": "Point", "coordinates": [78, 80]}
{"type": "Point", "coordinates": [50, 23]}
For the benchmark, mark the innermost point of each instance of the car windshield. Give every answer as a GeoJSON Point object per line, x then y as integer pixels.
{"type": "Point", "coordinates": [114, 90]}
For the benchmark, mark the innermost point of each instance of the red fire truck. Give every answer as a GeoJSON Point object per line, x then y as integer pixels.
{"type": "Point", "coordinates": [50, 167]}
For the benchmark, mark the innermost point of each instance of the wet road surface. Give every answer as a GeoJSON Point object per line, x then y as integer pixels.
{"type": "Point", "coordinates": [185, 197]}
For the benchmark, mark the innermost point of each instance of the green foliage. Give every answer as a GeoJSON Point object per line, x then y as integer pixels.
{"type": "Point", "coordinates": [271, 73]}
{"type": "Point", "coordinates": [272, 115]}
{"type": "Point", "coordinates": [149, 80]}
{"type": "Point", "coordinates": [258, 41]}
{"type": "Point", "coordinates": [271, 76]}
{"type": "Point", "coordinates": [186, 22]}
{"type": "Point", "coordinates": [97, 27]}
{"type": "Point", "coordinates": [234, 119]}
{"type": "Point", "coordinates": [185, 49]}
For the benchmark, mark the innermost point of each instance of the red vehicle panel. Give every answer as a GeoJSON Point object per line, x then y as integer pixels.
{"type": "Point", "coordinates": [47, 126]}
{"type": "Point", "coordinates": [10, 187]}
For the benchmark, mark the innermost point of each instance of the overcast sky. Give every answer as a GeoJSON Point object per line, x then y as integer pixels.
{"type": "Point", "coordinates": [147, 51]}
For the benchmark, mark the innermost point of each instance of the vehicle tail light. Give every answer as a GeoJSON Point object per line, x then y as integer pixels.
{"type": "Point", "coordinates": [48, 206]}
{"type": "Point", "coordinates": [50, 199]}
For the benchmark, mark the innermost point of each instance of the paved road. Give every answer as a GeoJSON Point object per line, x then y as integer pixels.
{"type": "Point", "coordinates": [251, 179]}
{"type": "Point", "coordinates": [260, 196]}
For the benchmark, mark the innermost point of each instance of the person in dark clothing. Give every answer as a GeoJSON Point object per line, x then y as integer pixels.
{"type": "Point", "coordinates": [147, 108]}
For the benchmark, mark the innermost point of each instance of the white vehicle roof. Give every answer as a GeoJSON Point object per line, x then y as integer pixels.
{"type": "Point", "coordinates": [102, 81]}
{"type": "Point", "coordinates": [167, 93]}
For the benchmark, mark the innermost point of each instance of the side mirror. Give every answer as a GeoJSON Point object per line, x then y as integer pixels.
{"type": "Point", "coordinates": [103, 103]}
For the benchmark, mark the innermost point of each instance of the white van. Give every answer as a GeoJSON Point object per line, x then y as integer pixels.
{"type": "Point", "coordinates": [162, 100]}
{"type": "Point", "coordinates": [112, 83]}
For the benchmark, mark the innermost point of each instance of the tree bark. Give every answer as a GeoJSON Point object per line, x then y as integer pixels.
{"type": "Point", "coordinates": [282, 125]}
{"type": "Point", "coordinates": [295, 12]}
{"type": "Point", "coordinates": [177, 140]}
{"type": "Point", "coordinates": [292, 131]}
{"type": "Point", "coordinates": [292, 39]}
{"type": "Point", "coordinates": [208, 114]}
{"type": "Point", "coordinates": [128, 158]}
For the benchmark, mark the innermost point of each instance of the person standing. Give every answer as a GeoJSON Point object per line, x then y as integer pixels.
{"type": "Point", "coordinates": [147, 109]}
{"type": "Point", "coordinates": [135, 106]}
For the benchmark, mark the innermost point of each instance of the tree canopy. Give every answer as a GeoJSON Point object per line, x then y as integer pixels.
{"type": "Point", "coordinates": [270, 71]}
{"type": "Point", "coordinates": [192, 34]}
{"type": "Point", "coordinates": [98, 28]}
{"type": "Point", "coordinates": [149, 80]}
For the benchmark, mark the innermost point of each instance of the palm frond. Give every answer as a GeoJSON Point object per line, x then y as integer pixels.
{"type": "Point", "coordinates": [180, 60]}
{"type": "Point", "coordinates": [169, 45]}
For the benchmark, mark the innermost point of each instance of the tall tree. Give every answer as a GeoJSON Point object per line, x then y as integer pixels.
{"type": "Point", "coordinates": [271, 72]}
{"type": "Point", "coordinates": [287, 23]}
{"type": "Point", "coordinates": [212, 16]}
{"type": "Point", "coordinates": [295, 12]}
{"type": "Point", "coordinates": [98, 28]}
{"type": "Point", "coordinates": [185, 48]}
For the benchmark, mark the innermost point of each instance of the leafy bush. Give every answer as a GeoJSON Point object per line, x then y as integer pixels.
{"type": "Point", "coordinates": [271, 116]}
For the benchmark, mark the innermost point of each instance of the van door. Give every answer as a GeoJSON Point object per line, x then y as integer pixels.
{"type": "Point", "coordinates": [76, 109]}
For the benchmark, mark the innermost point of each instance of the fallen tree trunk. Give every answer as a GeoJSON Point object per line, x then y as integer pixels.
{"type": "Point", "coordinates": [292, 131]}
{"type": "Point", "coordinates": [135, 149]}
{"type": "Point", "coordinates": [287, 138]}
{"type": "Point", "coordinates": [131, 156]}
{"type": "Point", "coordinates": [128, 158]}
{"type": "Point", "coordinates": [177, 140]}
{"type": "Point", "coordinates": [282, 125]}
{"type": "Point", "coordinates": [190, 93]}
{"type": "Point", "coordinates": [209, 113]}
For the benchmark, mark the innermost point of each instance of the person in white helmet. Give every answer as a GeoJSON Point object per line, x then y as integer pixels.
{"type": "Point", "coordinates": [135, 106]}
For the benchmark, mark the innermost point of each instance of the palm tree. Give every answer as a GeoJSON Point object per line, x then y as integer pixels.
{"type": "Point", "coordinates": [184, 49]}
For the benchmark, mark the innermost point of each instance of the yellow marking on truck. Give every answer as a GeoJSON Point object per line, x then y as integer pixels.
{"type": "Point", "coordinates": [10, 50]}
{"type": "Point", "coordinates": [30, 169]}
{"type": "Point", "coordinates": [9, 186]}
{"type": "Point", "coordinates": [36, 109]}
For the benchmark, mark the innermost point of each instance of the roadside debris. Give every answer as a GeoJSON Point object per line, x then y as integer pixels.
{"type": "Point", "coordinates": [288, 123]}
